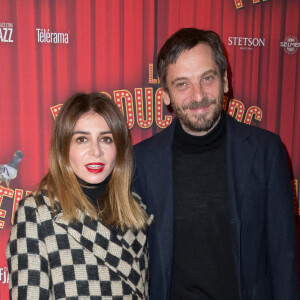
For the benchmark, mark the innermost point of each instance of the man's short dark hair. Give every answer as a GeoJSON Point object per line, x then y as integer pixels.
{"type": "Point", "coordinates": [185, 39]}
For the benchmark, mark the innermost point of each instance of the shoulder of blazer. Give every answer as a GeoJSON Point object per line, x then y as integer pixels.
{"type": "Point", "coordinates": [41, 205]}
{"type": "Point", "coordinates": [34, 200]}
{"type": "Point", "coordinates": [242, 131]}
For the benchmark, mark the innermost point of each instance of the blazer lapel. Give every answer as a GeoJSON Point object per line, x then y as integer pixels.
{"type": "Point", "coordinates": [159, 168]}
{"type": "Point", "coordinates": [119, 251]}
{"type": "Point", "coordinates": [240, 155]}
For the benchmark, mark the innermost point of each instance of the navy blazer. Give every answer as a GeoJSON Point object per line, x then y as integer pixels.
{"type": "Point", "coordinates": [261, 214]}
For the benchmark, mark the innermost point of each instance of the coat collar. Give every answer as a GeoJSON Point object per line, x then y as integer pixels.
{"type": "Point", "coordinates": [240, 157]}
{"type": "Point", "coordinates": [120, 251]}
{"type": "Point", "coordinates": [158, 166]}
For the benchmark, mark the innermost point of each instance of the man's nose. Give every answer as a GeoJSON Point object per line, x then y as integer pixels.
{"type": "Point", "coordinates": [199, 93]}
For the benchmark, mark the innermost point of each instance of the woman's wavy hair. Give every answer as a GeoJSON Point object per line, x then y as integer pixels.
{"type": "Point", "coordinates": [118, 206]}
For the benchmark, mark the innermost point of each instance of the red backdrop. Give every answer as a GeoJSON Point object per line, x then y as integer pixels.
{"type": "Point", "coordinates": [50, 49]}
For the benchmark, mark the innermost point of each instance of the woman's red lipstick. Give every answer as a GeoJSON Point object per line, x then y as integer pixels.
{"type": "Point", "coordinates": [95, 168]}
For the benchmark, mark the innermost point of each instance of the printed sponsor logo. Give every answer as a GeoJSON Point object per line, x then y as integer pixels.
{"type": "Point", "coordinates": [6, 32]}
{"type": "Point", "coordinates": [290, 45]}
{"type": "Point", "coordinates": [45, 36]}
{"type": "Point", "coordinates": [246, 43]}
{"type": "Point", "coordinates": [4, 278]}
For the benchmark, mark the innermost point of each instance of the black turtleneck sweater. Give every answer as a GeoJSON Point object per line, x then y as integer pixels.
{"type": "Point", "coordinates": [203, 263]}
{"type": "Point", "coordinates": [93, 191]}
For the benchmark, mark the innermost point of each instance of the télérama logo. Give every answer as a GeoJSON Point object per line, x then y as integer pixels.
{"type": "Point", "coordinates": [290, 45]}
{"type": "Point", "coordinates": [45, 36]}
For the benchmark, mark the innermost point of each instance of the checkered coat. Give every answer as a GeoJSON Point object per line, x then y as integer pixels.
{"type": "Point", "coordinates": [51, 258]}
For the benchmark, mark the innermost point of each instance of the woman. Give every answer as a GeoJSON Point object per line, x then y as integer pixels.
{"type": "Point", "coordinates": [82, 235]}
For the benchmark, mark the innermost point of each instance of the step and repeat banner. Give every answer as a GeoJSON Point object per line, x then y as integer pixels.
{"type": "Point", "coordinates": [50, 49]}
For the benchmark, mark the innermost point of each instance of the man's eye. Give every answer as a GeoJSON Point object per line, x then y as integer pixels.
{"type": "Point", "coordinates": [181, 84]}
{"type": "Point", "coordinates": [106, 139]}
{"type": "Point", "coordinates": [81, 139]}
{"type": "Point", "coordinates": [209, 78]}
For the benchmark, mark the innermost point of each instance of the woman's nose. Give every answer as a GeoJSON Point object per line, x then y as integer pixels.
{"type": "Point", "coordinates": [96, 149]}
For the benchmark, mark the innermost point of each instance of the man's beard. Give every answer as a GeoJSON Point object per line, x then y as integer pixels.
{"type": "Point", "coordinates": [201, 122]}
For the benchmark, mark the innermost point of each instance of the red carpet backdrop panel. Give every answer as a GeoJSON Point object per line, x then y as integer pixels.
{"type": "Point", "coordinates": [52, 49]}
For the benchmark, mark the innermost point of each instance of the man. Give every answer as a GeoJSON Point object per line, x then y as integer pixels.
{"type": "Point", "coordinates": [220, 192]}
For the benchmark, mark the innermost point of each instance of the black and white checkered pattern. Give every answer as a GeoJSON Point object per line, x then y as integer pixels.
{"type": "Point", "coordinates": [51, 258]}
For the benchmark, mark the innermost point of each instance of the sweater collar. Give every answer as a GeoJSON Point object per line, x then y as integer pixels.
{"type": "Point", "coordinates": [186, 142]}
{"type": "Point", "coordinates": [93, 191]}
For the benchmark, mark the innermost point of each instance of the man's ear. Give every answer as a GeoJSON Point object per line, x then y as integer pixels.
{"type": "Point", "coordinates": [166, 98]}
{"type": "Point", "coordinates": [225, 83]}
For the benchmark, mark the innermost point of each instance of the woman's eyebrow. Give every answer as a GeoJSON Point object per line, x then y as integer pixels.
{"type": "Point", "coordinates": [87, 132]}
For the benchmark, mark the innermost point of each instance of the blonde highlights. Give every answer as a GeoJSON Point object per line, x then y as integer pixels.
{"type": "Point", "coordinates": [119, 207]}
